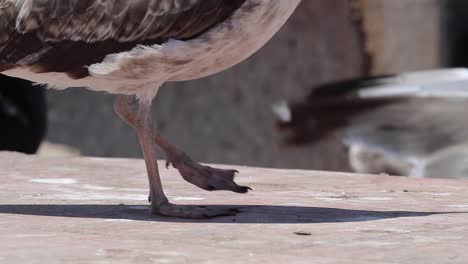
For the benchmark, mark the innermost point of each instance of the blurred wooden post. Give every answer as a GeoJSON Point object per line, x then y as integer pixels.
{"type": "Point", "coordinates": [401, 35]}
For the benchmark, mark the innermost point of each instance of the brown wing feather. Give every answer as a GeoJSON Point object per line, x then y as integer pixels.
{"type": "Point", "coordinates": [68, 35]}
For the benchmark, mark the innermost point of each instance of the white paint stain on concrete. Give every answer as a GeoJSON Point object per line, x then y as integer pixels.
{"type": "Point", "coordinates": [96, 188]}
{"type": "Point", "coordinates": [100, 252]}
{"type": "Point", "coordinates": [458, 205]}
{"type": "Point", "coordinates": [118, 220]}
{"type": "Point", "coordinates": [439, 194]}
{"type": "Point", "coordinates": [55, 181]}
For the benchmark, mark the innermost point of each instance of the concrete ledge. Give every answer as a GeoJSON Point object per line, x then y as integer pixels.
{"type": "Point", "coordinates": [81, 210]}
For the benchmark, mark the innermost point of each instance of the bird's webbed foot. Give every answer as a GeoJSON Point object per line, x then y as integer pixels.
{"type": "Point", "coordinates": [205, 177]}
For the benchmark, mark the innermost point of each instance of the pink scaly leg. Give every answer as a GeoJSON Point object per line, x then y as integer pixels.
{"type": "Point", "coordinates": [140, 120]}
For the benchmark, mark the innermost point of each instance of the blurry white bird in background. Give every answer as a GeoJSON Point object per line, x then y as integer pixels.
{"type": "Point", "coordinates": [410, 124]}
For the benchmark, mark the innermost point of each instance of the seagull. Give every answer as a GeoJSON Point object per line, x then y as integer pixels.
{"type": "Point", "coordinates": [23, 115]}
{"type": "Point", "coordinates": [410, 124]}
{"type": "Point", "coordinates": [131, 48]}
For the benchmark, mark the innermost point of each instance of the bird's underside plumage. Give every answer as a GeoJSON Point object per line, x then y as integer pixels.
{"type": "Point", "coordinates": [69, 35]}
{"type": "Point", "coordinates": [411, 124]}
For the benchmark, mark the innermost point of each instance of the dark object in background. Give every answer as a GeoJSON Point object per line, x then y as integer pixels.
{"type": "Point", "coordinates": [23, 115]}
{"type": "Point", "coordinates": [411, 124]}
{"type": "Point", "coordinates": [454, 33]}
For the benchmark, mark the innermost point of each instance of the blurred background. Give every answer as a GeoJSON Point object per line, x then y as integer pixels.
{"type": "Point", "coordinates": [227, 118]}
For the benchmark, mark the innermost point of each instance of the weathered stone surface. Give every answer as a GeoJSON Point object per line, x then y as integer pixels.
{"type": "Point", "coordinates": [90, 210]}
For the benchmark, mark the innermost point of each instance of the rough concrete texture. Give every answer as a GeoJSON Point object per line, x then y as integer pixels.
{"type": "Point", "coordinates": [91, 210]}
{"type": "Point", "coordinates": [227, 118]}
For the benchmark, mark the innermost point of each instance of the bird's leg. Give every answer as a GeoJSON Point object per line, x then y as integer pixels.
{"type": "Point", "coordinates": [204, 177]}
{"type": "Point", "coordinates": [140, 120]}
